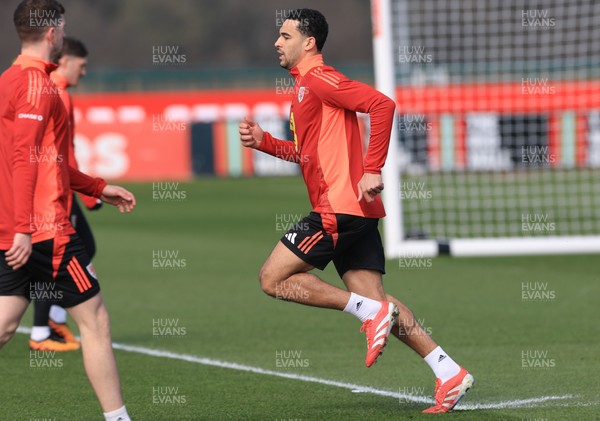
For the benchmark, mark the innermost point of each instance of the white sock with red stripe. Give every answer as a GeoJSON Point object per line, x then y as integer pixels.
{"type": "Point", "coordinates": [362, 307]}
{"type": "Point", "coordinates": [58, 314]}
{"type": "Point", "coordinates": [442, 365]}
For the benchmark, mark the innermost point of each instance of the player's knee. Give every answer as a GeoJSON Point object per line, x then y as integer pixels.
{"type": "Point", "coordinates": [268, 282]}
{"type": "Point", "coordinates": [7, 333]}
{"type": "Point", "coordinates": [96, 321]}
{"type": "Point", "coordinates": [103, 319]}
{"type": "Point", "coordinates": [101, 322]}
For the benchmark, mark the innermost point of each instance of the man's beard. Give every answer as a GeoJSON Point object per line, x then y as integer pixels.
{"type": "Point", "coordinates": [286, 64]}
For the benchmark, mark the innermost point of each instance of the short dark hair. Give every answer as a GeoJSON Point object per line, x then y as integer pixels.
{"type": "Point", "coordinates": [311, 23]}
{"type": "Point", "coordinates": [32, 18]}
{"type": "Point", "coordinates": [71, 47]}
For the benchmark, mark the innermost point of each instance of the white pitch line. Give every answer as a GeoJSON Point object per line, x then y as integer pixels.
{"type": "Point", "coordinates": [518, 403]}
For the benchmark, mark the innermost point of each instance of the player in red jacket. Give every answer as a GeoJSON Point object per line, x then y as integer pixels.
{"type": "Point", "coordinates": [40, 252]}
{"type": "Point", "coordinates": [343, 187]}
{"type": "Point", "coordinates": [50, 331]}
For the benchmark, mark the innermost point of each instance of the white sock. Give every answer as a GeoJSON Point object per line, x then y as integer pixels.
{"type": "Point", "coordinates": [58, 314]}
{"type": "Point", "coordinates": [362, 307]}
{"type": "Point", "coordinates": [39, 333]}
{"type": "Point", "coordinates": [117, 415]}
{"type": "Point", "coordinates": [442, 365]}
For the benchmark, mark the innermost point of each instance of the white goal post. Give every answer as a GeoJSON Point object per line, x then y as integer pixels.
{"type": "Point", "coordinates": [496, 143]}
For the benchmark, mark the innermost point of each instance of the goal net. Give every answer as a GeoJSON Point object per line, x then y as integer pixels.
{"type": "Point", "coordinates": [498, 125]}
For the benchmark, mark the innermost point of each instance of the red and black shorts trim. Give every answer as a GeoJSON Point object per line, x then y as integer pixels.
{"type": "Point", "coordinates": [351, 242]}
{"type": "Point", "coordinates": [58, 271]}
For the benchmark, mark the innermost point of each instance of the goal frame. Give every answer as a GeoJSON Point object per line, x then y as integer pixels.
{"type": "Point", "coordinates": [396, 245]}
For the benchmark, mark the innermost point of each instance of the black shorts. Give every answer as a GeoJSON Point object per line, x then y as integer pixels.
{"type": "Point", "coordinates": [352, 242]}
{"type": "Point", "coordinates": [58, 271]}
{"type": "Point", "coordinates": [81, 225]}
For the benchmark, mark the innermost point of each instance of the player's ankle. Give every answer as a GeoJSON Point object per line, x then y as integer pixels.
{"type": "Point", "coordinates": [117, 415]}
{"type": "Point", "coordinates": [362, 307]}
{"type": "Point", "coordinates": [442, 365]}
{"type": "Point", "coordinates": [40, 333]}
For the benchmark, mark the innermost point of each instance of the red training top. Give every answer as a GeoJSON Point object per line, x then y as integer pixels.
{"type": "Point", "coordinates": [35, 178]}
{"type": "Point", "coordinates": [327, 142]}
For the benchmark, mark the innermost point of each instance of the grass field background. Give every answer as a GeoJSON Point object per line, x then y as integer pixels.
{"type": "Point", "coordinates": [224, 229]}
{"type": "Point", "coordinates": [496, 203]}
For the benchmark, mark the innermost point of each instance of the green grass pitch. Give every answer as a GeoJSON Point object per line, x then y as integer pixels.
{"type": "Point", "coordinates": [207, 303]}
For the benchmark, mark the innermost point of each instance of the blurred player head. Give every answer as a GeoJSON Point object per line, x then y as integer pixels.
{"type": "Point", "coordinates": [72, 61]}
{"type": "Point", "coordinates": [40, 23]}
{"type": "Point", "coordinates": [302, 34]}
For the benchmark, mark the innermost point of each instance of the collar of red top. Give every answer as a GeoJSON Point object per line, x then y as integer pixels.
{"type": "Point", "coordinates": [31, 61]}
{"type": "Point", "coordinates": [306, 64]}
{"type": "Point", "coordinates": [59, 80]}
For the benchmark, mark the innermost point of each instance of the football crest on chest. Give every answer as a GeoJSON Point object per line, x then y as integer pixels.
{"type": "Point", "coordinates": [302, 92]}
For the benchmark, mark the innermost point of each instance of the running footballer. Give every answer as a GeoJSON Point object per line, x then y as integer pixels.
{"type": "Point", "coordinates": [343, 187]}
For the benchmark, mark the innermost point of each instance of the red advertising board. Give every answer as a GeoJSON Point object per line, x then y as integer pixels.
{"type": "Point", "coordinates": [132, 151]}
{"type": "Point", "coordinates": [147, 136]}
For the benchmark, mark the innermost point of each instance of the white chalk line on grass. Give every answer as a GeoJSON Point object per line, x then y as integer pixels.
{"type": "Point", "coordinates": [406, 397]}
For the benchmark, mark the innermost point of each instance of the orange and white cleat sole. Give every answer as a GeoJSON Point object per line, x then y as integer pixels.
{"type": "Point", "coordinates": [53, 343]}
{"type": "Point", "coordinates": [378, 329]}
{"type": "Point", "coordinates": [448, 394]}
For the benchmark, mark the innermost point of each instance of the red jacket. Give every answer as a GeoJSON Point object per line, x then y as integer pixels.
{"type": "Point", "coordinates": [35, 178]}
{"type": "Point", "coordinates": [327, 142]}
